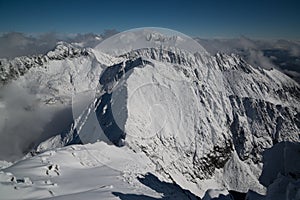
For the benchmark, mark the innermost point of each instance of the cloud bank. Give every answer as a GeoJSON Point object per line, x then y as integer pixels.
{"type": "Point", "coordinates": [281, 54]}
{"type": "Point", "coordinates": [25, 121]}
{"type": "Point", "coordinates": [16, 44]}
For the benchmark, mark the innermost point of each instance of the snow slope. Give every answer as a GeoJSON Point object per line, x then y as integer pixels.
{"type": "Point", "coordinates": [83, 174]}
{"type": "Point", "coordinates": [157, 106]}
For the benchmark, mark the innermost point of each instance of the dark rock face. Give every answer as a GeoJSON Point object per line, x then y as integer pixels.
{"type": "Point", "coordinates": [255, 119]}
{"type": "Point", "coordinates": [114, 131]}
{"type": "Point", "coordinates": [216, 159]}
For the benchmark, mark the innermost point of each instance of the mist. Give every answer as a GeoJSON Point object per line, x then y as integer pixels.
{"type": "Point", "coordinates": [14, 44]}
{"type": "Point", "coordinates": [283, 55]}
{"type": "Point", "coordinates": [18, 44]}
{"type": "Point", "coordinates": [25, 121]}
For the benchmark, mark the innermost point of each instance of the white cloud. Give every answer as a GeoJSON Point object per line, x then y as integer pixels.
{"type": "Point", "coordinates": [24, 121]}
{"type": "Point", "coordinates": [253, 51]}
{"type": "Point", "coordinates": [15, 44]}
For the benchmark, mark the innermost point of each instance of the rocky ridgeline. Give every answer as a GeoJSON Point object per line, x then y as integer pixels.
{"type": "Point", "coordinates": [13, 68]}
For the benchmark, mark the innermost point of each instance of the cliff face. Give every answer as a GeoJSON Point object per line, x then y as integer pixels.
{"type": "Point", "coordinates": [198, 117]}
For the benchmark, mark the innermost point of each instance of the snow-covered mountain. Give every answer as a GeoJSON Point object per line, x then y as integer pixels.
{"type": "Point", "coordinates": [166, 120]}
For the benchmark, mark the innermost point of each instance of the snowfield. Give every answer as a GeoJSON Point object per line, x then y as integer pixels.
{"type": "Point", "coordinates": [154, 116]}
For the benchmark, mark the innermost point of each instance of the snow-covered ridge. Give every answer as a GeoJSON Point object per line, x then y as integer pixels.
{"type": "Point", "coordinates": [212, 117]}
{"type": "Point", "coordinates": [135, 39]}
{"type": "Point", "coordinates": [239, 77]}
{"type": "Point", "coordinates": [174, 56]}
{"type": "Point", "coordinates": [249, 118]}
{"type": "Point", "coordinates": [65, 50]}
{"type": "Point", "coordinates": [13, 68]}
{"type": "Point", "coordinates": [221, 61]}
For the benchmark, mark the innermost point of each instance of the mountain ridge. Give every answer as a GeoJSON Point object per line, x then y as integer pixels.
{"type": "Point", "coordinates": [219, 113]}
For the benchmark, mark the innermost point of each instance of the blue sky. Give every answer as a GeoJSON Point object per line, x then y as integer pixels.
{"type": "Point", "coordinates": [214, 18]}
